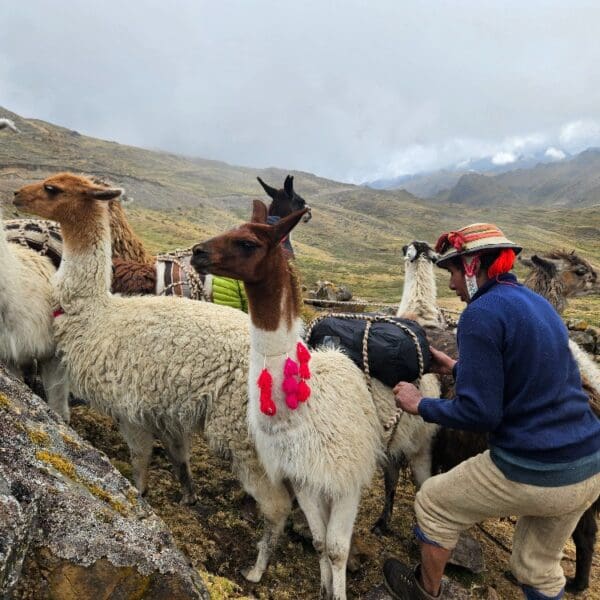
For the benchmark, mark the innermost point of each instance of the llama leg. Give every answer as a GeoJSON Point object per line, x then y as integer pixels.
{"type": "Point", "coordinates": [56, 386]}
{"type": "Point", "coordinates": [339, 535]}
{"type": "Point", "coordinates": [275, 504]}
{"type": "Point", "coordinates": [177, 446]}
{"type": "Point", "coordinates": [317, 515]}
{"type": "Point", "coordinates": [391, 472]}
{"type": "Point", "coordinates": [584, 537]}
{"type": "Point", "coordinates": [140, 447]}
{"type": "Point", "coordinates": [420, 465]}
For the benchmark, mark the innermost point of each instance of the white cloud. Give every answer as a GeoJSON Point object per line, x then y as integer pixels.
{"type": "Point", "coordinates": [503, 158]}
{"type": "Point", "coordinates": [348, 90]}
{"type": "Point", "coordinates": [554, 153]}
{"type": "Point", "coordinates": [581, 134]}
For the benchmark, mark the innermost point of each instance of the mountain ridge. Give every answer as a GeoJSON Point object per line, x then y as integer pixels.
{"type": "Point", "coordinates": [356, 234]}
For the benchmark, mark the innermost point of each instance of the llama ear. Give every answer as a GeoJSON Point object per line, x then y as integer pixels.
{"type": "Point", "coordinates": [525, 261]}
{"type": "Point", "coordinates": [272, 192]}
{"type": "Point", "coordinates": [105, 193]}
{"type": "Point", "coordinates": [288, 186]}
{"type": "Point", "coordinates": [259, 212]}
{"type": "Point", "coordinates": [547, 265]}
{"type": "Point", "coordinates": [285, 225]}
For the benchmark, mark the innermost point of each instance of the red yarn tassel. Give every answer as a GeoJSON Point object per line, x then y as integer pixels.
{"type": "Point", "coordinates": [265, 384]}
{"type": "Point", "coordinates": [303, 392]}
{"type": "Point", "coordinates": [290, 368]}
{"type": "Point", "coordinates": [303, 358]}
{"type": "Point", "coordinates": [292, 401]}
{"type": "Point", "coordinates": [503, 264]}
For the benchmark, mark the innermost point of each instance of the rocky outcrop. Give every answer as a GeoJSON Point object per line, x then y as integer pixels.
{"type": "Point", "coordinates": [71, 526]}
{"type": "Point", "coordinates": [586, 336]}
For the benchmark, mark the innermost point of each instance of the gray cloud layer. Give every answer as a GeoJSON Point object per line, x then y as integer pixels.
{"type": "Point", "coordinates": [348, 89]}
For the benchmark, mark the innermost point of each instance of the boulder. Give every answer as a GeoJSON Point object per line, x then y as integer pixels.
{"type": "Point", "coordinates": [71, 526]}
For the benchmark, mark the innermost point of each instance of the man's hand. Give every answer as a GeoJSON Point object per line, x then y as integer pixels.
{"type": "Point", "coordinates": [407, 397]}
{"type": "Point", "coordinates": [441, 363]}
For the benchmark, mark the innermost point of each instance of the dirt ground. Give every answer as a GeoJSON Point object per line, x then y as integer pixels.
{"type": "Point", "coordinates": [220, 532]}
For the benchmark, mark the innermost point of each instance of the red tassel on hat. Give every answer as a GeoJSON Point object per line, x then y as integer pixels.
{"type": "Point", "coordinates": [503, 264]}
{"type": "Point", "coordinates": [265, 384]}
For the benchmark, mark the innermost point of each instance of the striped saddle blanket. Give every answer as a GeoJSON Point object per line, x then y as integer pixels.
{"type": "Point", "coordinates": [175, 276]}
{"type": "Point", "coordinates": [43, 237]}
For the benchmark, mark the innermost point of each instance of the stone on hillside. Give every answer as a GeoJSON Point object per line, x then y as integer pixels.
{"type": "Point", "coordinates": [468, 554]}
{"type": "Point", "coordinates": [71, 526]}
{"type": "Point", "coordinates": [585, 339]}
{"type": "Point", "coordinates": [326, 290]}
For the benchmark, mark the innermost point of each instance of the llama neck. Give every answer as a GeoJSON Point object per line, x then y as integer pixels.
{"type": "Point", "coordinates": [86, 268]}
{"type": "Point", "coordinates": [419, 296]}
{"type": "Point", "coordinates": [125, 242]}
{"type": "Point", "coordinates": [551, 288]}
{"type": "Point", "coordinates": [274, 307]}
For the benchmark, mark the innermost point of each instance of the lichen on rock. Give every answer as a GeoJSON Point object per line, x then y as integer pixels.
{"type": "Point", "coordinates": [71, 526]}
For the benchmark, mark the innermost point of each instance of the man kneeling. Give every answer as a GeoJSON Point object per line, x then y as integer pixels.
{"type": "Point", "coordinates": [517, 380]}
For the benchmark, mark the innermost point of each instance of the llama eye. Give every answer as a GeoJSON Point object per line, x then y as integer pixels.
{"type": "Point", "coordinates": [51, 189]}
{"type": "Point", "coordinates": [247, 245]}
{"type": "Point", "coordinates": [581, 271]}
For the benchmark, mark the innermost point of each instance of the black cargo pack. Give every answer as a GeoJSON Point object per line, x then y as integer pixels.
{"type": "Point", "coordinates": [392, 352]}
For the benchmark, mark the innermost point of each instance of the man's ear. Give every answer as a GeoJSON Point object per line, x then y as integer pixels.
{"type": "Point", "coordinates": [259, 212]}
{"type": "Point", "coordinates": [104, 193]}
{"type": "Point", "coordinates": [285, 225]}
{"type": "Point", "coordinates": [547, 265]}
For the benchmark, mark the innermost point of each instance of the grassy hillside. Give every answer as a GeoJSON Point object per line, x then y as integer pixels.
{"type": "Point", "coordinates": [355, 236]}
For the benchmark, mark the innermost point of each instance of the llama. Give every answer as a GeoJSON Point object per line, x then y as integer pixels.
{"type": "Point", "coordinates": [559, 275]}
{"type": "Point", "coordinates": [26, 310]}
{"type": "Point", "coordinates": [419, 296]}
{"type": "Point", "coordinates": [129, 356]}
{"type": "Point", "coordinates": [162, 367]}
{"type": "Point", "coordinates": [6, 123]}
{"type": "Point", "coordinates": [556, 279]}
{"type": "Point", "coordinates": [325, 439]}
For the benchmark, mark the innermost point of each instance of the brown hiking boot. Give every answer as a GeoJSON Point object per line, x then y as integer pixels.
{"type": "Point", "coordinates": [402, 582]}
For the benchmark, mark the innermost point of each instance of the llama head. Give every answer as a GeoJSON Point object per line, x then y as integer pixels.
{"type": "Point", "coordinates": [419, 250]}
{"type": "Point", "coordinates": [65, 197]}
{"type": "Point", "coordinates": [250, 252]}
{"type": "Point", "coordinates": [573, 275]}
{"type": "Point", "coordinates": [285, 201]}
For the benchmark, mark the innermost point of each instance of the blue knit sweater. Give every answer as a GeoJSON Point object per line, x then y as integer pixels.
{"type": "Point", "coordinates": [517, 379]}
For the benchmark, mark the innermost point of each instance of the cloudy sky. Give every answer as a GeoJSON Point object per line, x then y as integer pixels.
{"type": "Point", "coordinates": [348, 89]}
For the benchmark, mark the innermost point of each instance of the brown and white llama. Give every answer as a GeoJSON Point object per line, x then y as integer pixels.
{"type": "Point", "coordinates": [327, 444]}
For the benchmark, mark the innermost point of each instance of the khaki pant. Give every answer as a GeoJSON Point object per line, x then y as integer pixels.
{"type": "Point", "coordinates": [477, 490]}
